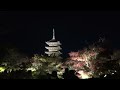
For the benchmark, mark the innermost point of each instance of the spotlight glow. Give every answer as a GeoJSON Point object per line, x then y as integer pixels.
{"type": "Point", "coordinates": [2, 69]}
{"type": "Point", "coordinates": [83, 75]}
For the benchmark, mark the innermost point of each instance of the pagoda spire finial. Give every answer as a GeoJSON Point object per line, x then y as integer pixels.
{"type": "Point", "coordinates": [53, 34]}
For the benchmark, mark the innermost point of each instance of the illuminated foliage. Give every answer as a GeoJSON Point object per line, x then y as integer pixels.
{"type": "Point", "coordinates": [96, 61]}
{"type": "Point", "coordinates": [81, 61]}
{"type": "Point", "coordinates": [13, 60]}
{"type": "Point", "coordinates": [92, 61]}
{"type": "Point", "coordinates": [42, 65]}
{"type": "Point", "coordinates": [2, 69]}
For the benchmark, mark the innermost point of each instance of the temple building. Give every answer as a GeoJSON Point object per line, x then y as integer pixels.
{"type": "Point", "coordinates": [53, 47]}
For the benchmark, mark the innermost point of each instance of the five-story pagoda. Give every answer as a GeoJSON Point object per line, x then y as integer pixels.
{"type": "Point", "coordinates": [53, 47]}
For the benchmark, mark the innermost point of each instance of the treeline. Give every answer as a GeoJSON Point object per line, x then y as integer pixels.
{"type": "Point", "coordinates": [99, 60]}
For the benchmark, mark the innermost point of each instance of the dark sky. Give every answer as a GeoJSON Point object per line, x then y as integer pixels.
{"type": "Point", "coordinates": [28, 30]}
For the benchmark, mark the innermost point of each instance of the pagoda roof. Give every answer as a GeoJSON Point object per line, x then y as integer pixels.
{"type": "Point", "coordinates": [53, 40]}
{"type": "Point", "coordinates": [51, 52]}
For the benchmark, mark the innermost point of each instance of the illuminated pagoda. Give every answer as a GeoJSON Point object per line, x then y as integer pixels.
{"type": "Point", "coordinates": [53, 47]}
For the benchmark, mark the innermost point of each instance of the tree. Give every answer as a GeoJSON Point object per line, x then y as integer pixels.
{"type": "Point", "coordinates": [13, 58]}
{"type": "Point", "coordinates": [42, 65]}
{"type": "Point", "coordinates": [92, 61]}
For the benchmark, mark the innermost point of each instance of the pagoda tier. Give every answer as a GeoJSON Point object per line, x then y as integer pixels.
{"type": "Point", "coordinates": [50, 53]}
{"type": "Point", "coordinates": [53, 43]}
{"type": "Point", "coordinates": [53, 47]}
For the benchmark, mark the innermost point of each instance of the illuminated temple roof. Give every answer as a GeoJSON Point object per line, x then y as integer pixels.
{"type": "Point", "coordinates": [53, 46]}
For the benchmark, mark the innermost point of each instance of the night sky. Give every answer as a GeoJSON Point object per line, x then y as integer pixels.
{"type": "Point", "coordinates": [28, 30]}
